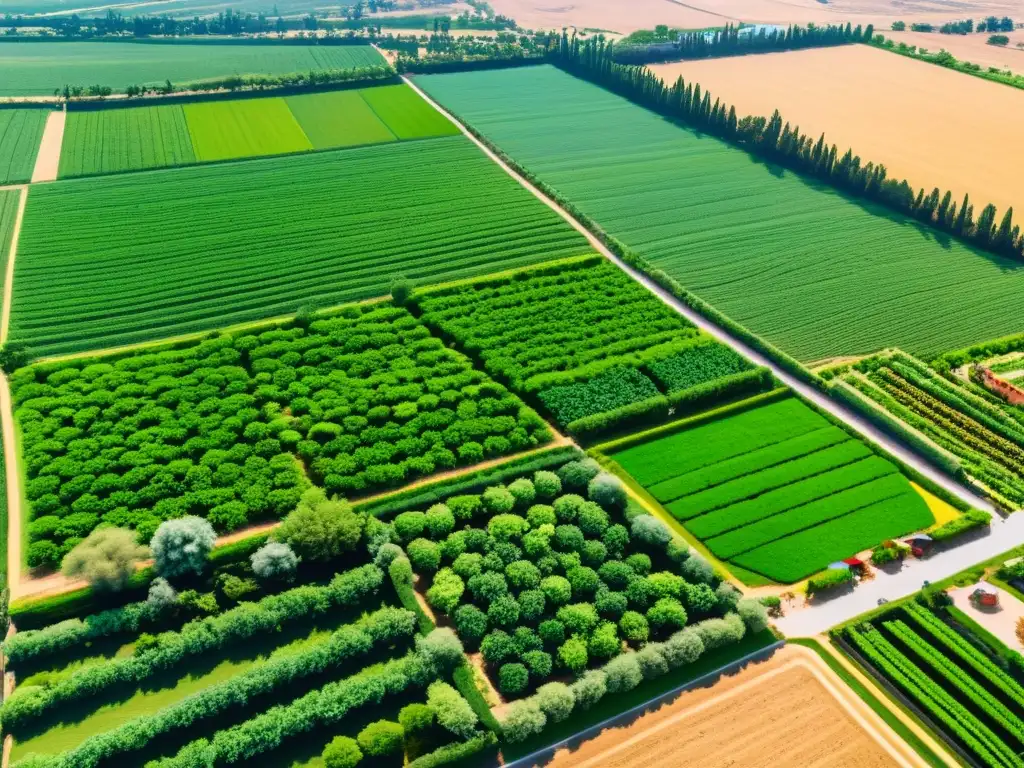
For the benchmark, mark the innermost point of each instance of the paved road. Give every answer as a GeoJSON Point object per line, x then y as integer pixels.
{"type": "Point", "coordinates": [806, 622]}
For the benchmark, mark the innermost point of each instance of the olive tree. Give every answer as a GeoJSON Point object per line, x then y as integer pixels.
{"type": "Point", "coordinates": [106, 558]}
{"type": "Point", "coordinates": [182, 546]}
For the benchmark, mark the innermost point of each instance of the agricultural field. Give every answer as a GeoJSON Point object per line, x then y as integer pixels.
{"type": "Point", "coordinates": [229, 428]}
{"type": "Point", "coordinates": [950, 675]}
{"type": "Point", "coordinates": [777, 489]}
{"type": "Point", "coordinates": [228, 130]}
{"type": "Point", "coordinates": [115, 140]}
{"type": "Point", "coordinates": [716, 219]}
{"type": "Point", "coordinates": [972, 428]}
{"type": "Point", "coordinates": [38, 68]}
{"type": "Point", "coordinates": [20, 133]}
{"type": "Point", "coordinates": [928, 110]}
{"type": "Point", "coordinates": [112, 140]}
{"type": "Point", "coordinates": [167, 256]}
{"type": "Point", "coordinates": [587, 341]}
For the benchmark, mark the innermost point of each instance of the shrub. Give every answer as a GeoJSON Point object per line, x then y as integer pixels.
{"type": "Point", "coordinates": [446, 591]}
{"type": "Point", "coordinates": [773, 604]}
{"type": "Point", "coordinates": [439, 521]}
{"type": "Point", "coordinates": [182, 546]}
{"type": "Point", "coordinates": [683, 647]}
{"type": "Point", "coordinates": [342, 752]}
{"type": "Point", "coordinates": [567, 507]}
{"type": "Point", "coordinates": [569, 538]}
{"type": "Point", "coordinates": [498, 500]}
{"type": "Point", "coordinates": [829, 579]}
{"type": "Point", "coordinates": [507, 527]}
{"type": "Point", "coordinates": [546, 484]}
{"type": "Point", "coordinates": [468, 564]}
{"type": "Point", "coordinates": [470, 623]}
{"type": "Point", "coordinates": [650, 531]}
{"type": "Point", "coordinates": [641, 594]}
{"type": "Point", "coordinates": [441, 648]}
{"type": "Point", "coordinates": [410, 525]}
{"type": "Point", "coordinates": [274, 560]}
{"type": "Point", "coordinates": [386, 554]}
{"type": "Point", "coordinates": [667, 584]}
{"type": "Point", "coordinates": [106, 558]}
{"type": "Point", "coordinates": [381, 738]}
{"type": "Point", "coordinates": [507, 553]}
{"type": "Point", "coordinates": [555, 700]}
{"type": "Point", "coordinates": [503, 612]}
{"type": "Point", "coordinates": [526, 640]}
{"type": "Point", "coordinates": [726, 597]}
{"type": "Point", "coordinates": [453, 712]}
{"type": "Point", "coordinates": [532, 605]}
{"type": "Point", "coordinates": [539, 663]}
{"type": "Point", "coordinates": [401, 290]}
{"type": "Point", "coordinates": [415, 718]}
{"type": "Point", "coordinates": [541, 514]}
{"type": "Point", "coordinates": [640, 563]}
{"type": "Point", "coordinates": [487, 587]}
{"type": "Point", "coordinates": [578, 618]}
{"type": "Point", "coordinates": [497, 646]}
{"type": "Point", "coordinates": [583, 580]}
{"type": "Point", "coordinates": [556, 589]}
{"type": "Point", "coordinates": [522, 574]}
{"type": "Point", "coordinates": [634, 627]}
{"type": "Point", "coordinates": [513, 679]}
{"type": "Point", "coordinates": [594, 553]}
{"type": "Point", "coordinates": [320, 529]}
{"type": "Point", "coordinates": [700, 598]}
{"type": "Point", "coordinates": [424, 555]}
{"type": "Point", "coordinates": [607, 490]}
{"type": "Point", "coordinates": [698, 570]}
{"type": "Point", "coordinates": [616, 574]}
{"type": "Point", "coordinates": [523, 491]}
{"type": "Point", "coordinates": [753, 613]}
{"type": "Point", "coordinates": [667, 612]}
{"type": "Point", "coordinates": [577, 474]}
{"type": "Point", "coordinates": [604, 642]}
{"type": "Point", "coordinates": [611, 604]}
{"type": "Point", "coordinates": [572, 654]}
{"type": "Point", "coordinates": [678, 551]}
{"type": "Point", "coordinates": [623, 673]}
{"type": "Point", "coordinates": [589, 688]}
{"type": "Point", "coordinates": [523, 719]}
{"type": "Point", "coordinates": [716, 633]}
{"type": "Point", "coordinates": [652, 662]}
{"type": "Point", "coordinates": [552, 632]}
{"type": "Point", "coordinates": [162, 597]}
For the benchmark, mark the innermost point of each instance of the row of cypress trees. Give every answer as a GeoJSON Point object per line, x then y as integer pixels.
{"type": "Point", "coordinates": [778, 141]}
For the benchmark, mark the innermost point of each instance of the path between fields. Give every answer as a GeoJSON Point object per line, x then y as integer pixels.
{"type": "Point", "coordinates": [926, 737]}
{"type": "Point", "coordinates": [816, 618]}
{"type": "Point", "coordinates": [48, 159]}
{"type": "Point", "coordinates": [12, 252]}
{"type": "Point", "coordinates": [57, 583]}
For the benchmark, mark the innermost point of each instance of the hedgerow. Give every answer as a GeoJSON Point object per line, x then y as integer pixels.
{"type": "Point", "coordinates": [366, 399]}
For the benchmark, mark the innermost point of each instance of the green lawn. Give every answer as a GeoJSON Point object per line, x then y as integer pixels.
{"type": "Point", "coordinates": [812, 271]}
{"type": "Point", "coordinates": [148, 255]}
{"type": "Point", "coordinates": [406, 114]}
{"type": "Point", "coordinates": [338, 119]}
{"type": "Point", "coordinates": [130, 139]}
{"type": "Point", "coordinates": [20, 133]}
{"type": "Point", "coordinates": [36, 68]}
{"type": "Point", "coordinates": [227, 130]}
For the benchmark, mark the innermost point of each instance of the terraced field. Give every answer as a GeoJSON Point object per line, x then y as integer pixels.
{"type": "Point", "coordinates": [20, 133]}
{"type": "Point", "coordinates": [817, 274]}
{"type": "Point", "coordinates": [777, 490]}
{"type": "Point", "coordinates": [112, 140]}
{"type": "Point", "coordinates": [36, 69]}
{"type": "Point", "coordinates": [150, 255]}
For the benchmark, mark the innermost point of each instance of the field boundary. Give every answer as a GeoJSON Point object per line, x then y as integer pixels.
{"type": "Point", "coordinates": [548, 751]}
{"type": "Point", "coordinates": [51, 144]}
{"type": "Point", "coordinates": [820, 399]}
{"type": "Point", "coordinates": [12, 252]}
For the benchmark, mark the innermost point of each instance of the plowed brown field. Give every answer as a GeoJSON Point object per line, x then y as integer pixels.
{"type": "Point", "coordinates": [782, 712]}
{"type": "Point", "coordinates": [932, 126]}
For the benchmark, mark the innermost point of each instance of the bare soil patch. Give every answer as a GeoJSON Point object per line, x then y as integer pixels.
{"type": "Point", "coordinates": [48, 158]}
{"type": "Point", "coordinates": [929, 125]}
{"type": "Point", "coordinates": [779, 712]}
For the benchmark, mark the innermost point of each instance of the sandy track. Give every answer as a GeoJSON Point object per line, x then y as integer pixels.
{"type": "Point", "coordinates": [48, 159]}
{"type": "Point", "coordinates": [928, 111]}
{"type": "Point", "coordinates": [789, 710]}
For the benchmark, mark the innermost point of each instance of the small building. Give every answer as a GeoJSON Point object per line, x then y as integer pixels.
{"type": "Point", "coordinates": [985, 594]}
{"type": "Point", "coordinates": [855, 564]}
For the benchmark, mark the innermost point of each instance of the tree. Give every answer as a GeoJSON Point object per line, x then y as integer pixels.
{"type": "Point", "coordinates": [650, 531]}
{"type": "Point", "coordinates": [106, 558]}
{"type": "Point", "coordinates": [573, 654]}
{"type": "Point", "coordinates": [623, 673]}
{"type": "Point", "coordinates": [320, 529]}
{"type": "Point", "coordinates": [753, 613]}
{"type": "Point", "coordinates": [452, 711]}
{"type": "Point", "coordinates": [274, 560]}
{"type": "Point", "coordinates": [590, 688]}
{"type": "Point", "coordinates": [607, 490]}
{"type": "Point", "coordinates": [381, 738]}
{"type": "Point", "coordinates": [523, 719]}
{"type": "Point", "coordinates": [634, 627]}
{"type": "Point", "coordinates": [513, 679]}
{"type": "Point", "coordinates": [441, 648]}
{"type": "Point", "coordinates": [555, 701]}
{"type": "Point", "coordinates": [161, 597]}
{"type": "Point", "coordinates": [667, 612]}
{"type": "Point", "coordinates": [470, 623]}
{"type": "Point", "coordinates": [14, 355]}
{"type": "Point", "coordinates": [401, 290]}
{"type": "Point", "coordinates": [547, 484]}
{"type": "Point", "coordinates": [182, 546]}
{"type": "Point", "coordinates": [342, 752]}
{"type": "Point", "coordinates": [424, 555]}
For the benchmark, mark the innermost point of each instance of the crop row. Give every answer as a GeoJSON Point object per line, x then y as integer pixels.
{"type": "Point", "coordinates": [756, 460]}
{"type": "Point", "coordinates": [696, 365]}
{"type": "Point", "coordinates": [771, 503]}
{"type": "Point", "coordinates": [771, 478]}
{"type": "Point", "coordinates": [939, 704]}
{"type": "Point", "coordinates": [366, 398]}
{"type": "Point", "coordinates": [161, 253]}
{"type": "Point", "coordinates": [20, 133]}
{"type": "Point", "coordinates": [889, 488]}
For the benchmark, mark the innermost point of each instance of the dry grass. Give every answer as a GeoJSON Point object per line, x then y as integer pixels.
{"type": "Point", "coordinates": [927, 124]}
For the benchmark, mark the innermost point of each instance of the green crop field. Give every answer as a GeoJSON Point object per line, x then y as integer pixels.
{"type": "Point", "coordinates": [812, 271]}
{"type": "Point", "coordinates": [153, 254]}
{"type": "Point", "coordinates": [20, 133]}
{"type": "Point", "coordinates": [777, 490]}
{"type": "Point", "coordinates": [406, 114]}
{"type": "Point", "coordinates": [37, 68]}
{"type": "Point", "coordinates": [338, 119]}
{"type": "Point", "coordinates": [228, 130]}
{"type": "Point", "coordinates": [580, 334]}
{"type": "Point", "coordinates": [114, 140]}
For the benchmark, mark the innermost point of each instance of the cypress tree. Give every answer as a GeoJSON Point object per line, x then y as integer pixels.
{"type": "Point", "coordinates": [963, 221]}
{"type": "Point", "coordinates": [986, 224]}
{"type": "Point", "coordinates": [1003, 240]}
{"type": "Point", "coordinates": [943, 209]}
